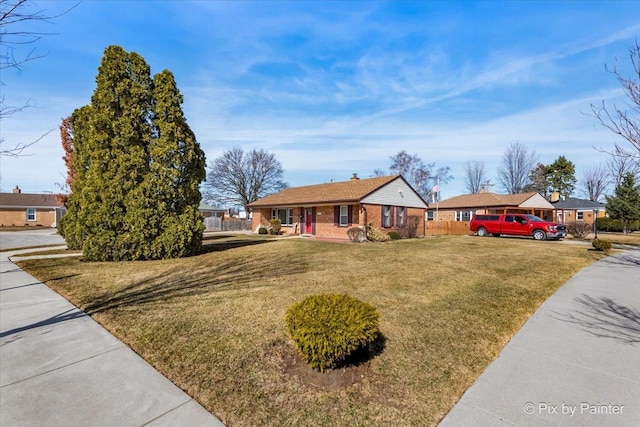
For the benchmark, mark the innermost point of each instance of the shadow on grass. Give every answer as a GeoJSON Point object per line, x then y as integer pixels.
{"type": "Point", "coordinates": [603, 317]}
{"type": "Point", "coordinates": [366, 353]}
{"type": "Point", "coordinates": [217, 237]}
{"type": "Point", "coordinates": [230, 244]}
{"type": "Point", "coordinates": [182, 281]}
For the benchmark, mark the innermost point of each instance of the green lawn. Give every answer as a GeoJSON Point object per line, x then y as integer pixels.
{"type": "Point", "coordinates": [214, 325]}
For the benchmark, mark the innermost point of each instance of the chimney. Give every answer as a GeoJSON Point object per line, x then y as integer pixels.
{"type": "Point", "coordinates": [17, 190]}
{"type": "Point", "coordinates": [555, 196]}
{"type": "Point", "coordinates": [354, 177]}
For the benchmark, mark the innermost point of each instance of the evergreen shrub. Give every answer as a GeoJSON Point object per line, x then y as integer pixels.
{"type": "Point", "coordinates": [393, 235]}
{"type": "Point", "coordinates": [328, 328]}
{"type": "Point", "coordinates": [376, 235]}
{"type": "Point", "coordinates": [602, 245]}
{"type": "Point", "coordinates": [276, 224]}
{"type": "Point", "coordinates": [615, 225]}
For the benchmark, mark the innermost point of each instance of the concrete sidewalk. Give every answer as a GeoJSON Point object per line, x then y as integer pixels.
{"type": "Point", "coordinates": [575, 362]}
{"type": "Point", "coordinates": [58, 367]}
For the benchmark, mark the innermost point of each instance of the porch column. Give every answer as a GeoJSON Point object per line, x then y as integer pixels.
{"type": "Point", "coordinates": [362, 216]}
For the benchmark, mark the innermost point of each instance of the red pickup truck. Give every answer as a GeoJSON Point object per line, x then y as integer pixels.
{"type": "Point", "coordinates": [517, 225]}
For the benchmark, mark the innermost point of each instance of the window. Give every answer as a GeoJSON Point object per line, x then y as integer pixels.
{"type": "Point", "coordinates": [31, 214]}
{"type": "Point", "coordinates": [430, 215]}
{"type": "Point", "coordinates": [401, 216]}
{"type": "Point", "coordinates": [580, 216]}
{"type": "Point", "coordinates": [285, 215]}
{"type": "Point", "coordinates": [344, 216]}
{"type": "Point", "coordinates": [387, 216]}
{"type": "Point", "coordinates": [463, 215]}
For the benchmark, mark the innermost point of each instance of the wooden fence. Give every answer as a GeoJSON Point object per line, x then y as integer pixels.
{"type": "Point", "coordinates": [442, 228]}
{"type": "Point", "coordinates": [220, 224]}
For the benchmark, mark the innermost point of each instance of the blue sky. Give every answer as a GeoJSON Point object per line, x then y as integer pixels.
{"type": "Point", "coordinates": [334, 88]}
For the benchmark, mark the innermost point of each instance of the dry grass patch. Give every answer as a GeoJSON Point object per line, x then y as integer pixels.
{"type": "Point", "coordinates": [214, 324]}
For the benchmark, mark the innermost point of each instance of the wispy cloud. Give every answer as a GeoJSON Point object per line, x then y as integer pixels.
{"type": "Point", "coordinates": [335, 88]}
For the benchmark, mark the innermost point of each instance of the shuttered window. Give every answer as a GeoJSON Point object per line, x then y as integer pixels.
{"type": "Point", "coordinates": [387, 216]}
{"type": "Point", "coordinates": [401, 216]}
{"type": "Point", "coordinates": [342, 215]}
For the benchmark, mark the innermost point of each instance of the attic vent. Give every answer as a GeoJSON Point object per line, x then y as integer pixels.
{"type": "Point", "coordinates": [354, 177]}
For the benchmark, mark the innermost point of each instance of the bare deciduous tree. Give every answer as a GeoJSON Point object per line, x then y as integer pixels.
{"type": "Point", "coordinates": [620, 166]}
{"type": "Point", "coordinates": [594, 182]}
{"type": "Point", "coordinates": [622, 121]}
{"type": "Point", "coordinates": [475, 174]}
{"type": "Point", "coordinates": [237, 178]}
{"type": "Point", "coordinates": [422, 177]}
{"type": "Point", "coordinates": [14, 13]}
{"type": "Point", "coordinates": [517, 163]}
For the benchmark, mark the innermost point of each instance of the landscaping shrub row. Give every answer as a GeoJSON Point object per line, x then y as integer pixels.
{"type": "Point", "coordinates": [615, 225]}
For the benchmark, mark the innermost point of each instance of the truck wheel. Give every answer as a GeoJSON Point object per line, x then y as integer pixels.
{"type": "Point", "coordinates": [482, 232]}
{"type": "Point", "coordinates": [539, 235]}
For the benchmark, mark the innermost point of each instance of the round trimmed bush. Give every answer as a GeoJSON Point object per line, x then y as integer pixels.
{"type": "Point", "coordinates": [328, 328]}
{"type": "Point", "coordinates": [601, 245]}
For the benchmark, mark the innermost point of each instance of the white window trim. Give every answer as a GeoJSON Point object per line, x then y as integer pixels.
{"type": "Point", "coordinates": [288, 215]}
{"type": "Point", "coordinates": [459, 216]}
{"type": "Point", "coordinates": [344, 215]}
{"type": "Point", "coordinates": [34, 214]}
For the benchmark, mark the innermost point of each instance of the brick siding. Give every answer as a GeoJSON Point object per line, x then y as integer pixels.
{"type": "Point", "coordinates": [18, 218]}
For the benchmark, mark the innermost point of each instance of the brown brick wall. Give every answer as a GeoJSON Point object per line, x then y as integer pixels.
{"type": "Point", "coordinates": [324, 220]}
{"type": "Point", "coordinates": [18, 218]}
{"type": "Point", "coordinates": [374, 215]}
{"type": "Point", "coordinates": [325, 226]}
{"type": "Point", "coordinates": [263, 216]}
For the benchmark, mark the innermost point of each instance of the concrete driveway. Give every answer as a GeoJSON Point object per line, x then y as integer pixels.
{"type": "Point", "coordinates": [28, 238]}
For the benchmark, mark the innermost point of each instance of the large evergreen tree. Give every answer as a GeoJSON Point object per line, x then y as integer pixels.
{"type": "Point", "coordinates": [137, 167]}
{"type": "Point", "coordinates": [561, 176]}
{"type": "Point", "coordinates": [625, 204]}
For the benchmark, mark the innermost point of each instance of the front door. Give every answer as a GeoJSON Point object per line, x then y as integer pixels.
{"type": "Point", "coordinates": [308, 223]}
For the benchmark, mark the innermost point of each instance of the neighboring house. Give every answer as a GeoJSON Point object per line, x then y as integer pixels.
{"type": "Point", "coordinates": [464, 207]}
{"type": "Point", "coordinates": [18, 209]}
{"type": "Point", "coordinates": [574, 209]}
{"type": "Point", "coordinates": [209, 211]}
{"type": "Point", "coordinates": [328, 210]}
